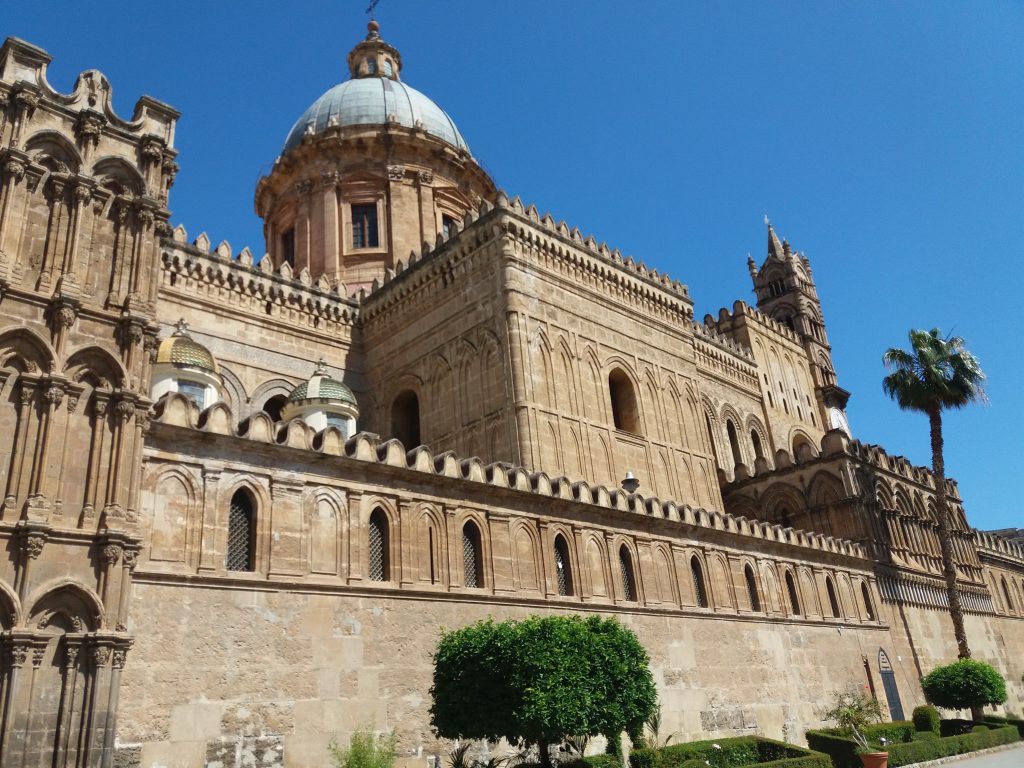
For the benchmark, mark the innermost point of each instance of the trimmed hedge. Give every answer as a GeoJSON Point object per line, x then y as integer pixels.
{"type": "Point", "coordinates": [734, 752]}
{"type": "Point", "coordinates": [998, 720]}
{"type": "Point", "coordinates": [843, 751]}
{"type": "Point", "coordinates": [926, 718]}
{"type": "Point", "coordinates": [918, 751]}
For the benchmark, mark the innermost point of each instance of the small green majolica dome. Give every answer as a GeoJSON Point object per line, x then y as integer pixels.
{"type": "Point", "coordinates": [322, 387]}
{"type": "Point", "coordinates": [182, 350]}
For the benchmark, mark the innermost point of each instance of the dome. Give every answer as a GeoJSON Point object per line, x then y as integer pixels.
{"type": "Point", "coordinates": [182, 350]}
{"type": "Point", "coordinates": [375, 101]}
{"type": "Point", "coordinates": [322, 387]}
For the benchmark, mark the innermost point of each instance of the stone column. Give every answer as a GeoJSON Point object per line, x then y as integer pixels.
{"type": "Point", "coordinates": [115, 493]}
{"type": "Point", "coordinates": [14, 171]}
{"type": "Point", "coordinates": [135, 479]}
{"type": "Point", "coordinates": [331, 229]}
{"type": "Point", "coordinates": [91, 734]}
{"type": "Point", "coordinates": [26, 395]}
{"type": "Point", "coordinates": [53, 239]}
{"type": "Point", "coordinates": [521, 411]}
{"type": "Point", "coordinates": [119, 655]}
{"type": "Point", "coordinates": [100, 400]}
{"type": "Point", "coordinates": [303, 251]}
{"type": "Point", "coordinates": [37, 506]}
{"type": "Point", "coordinates": [18, 655]}
{"type": "Point", "coordinates": [209, 558]}
{"type": "Point", "coordinates": [72, 649]}
{"type": "Point", "coordinates": [110, 554]}
{"type": "Point", "coordinates": [81, 194]}
{"type": "Point", "coordinates": [144, 220]}
{"type": "Point", "coordinates": [129, 558]}
{"type": "Point", "coordinates": [114, 296]}
{"type": "Point", "coordinates": [57, 493]}
{"type": "Point", "coordinates": [32, 541]}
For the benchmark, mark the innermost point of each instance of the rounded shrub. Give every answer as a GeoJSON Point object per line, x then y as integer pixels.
{"type": "Point", "coordinates": [926, 719]}
{"type": "Point", "coordinates": [965, 684]}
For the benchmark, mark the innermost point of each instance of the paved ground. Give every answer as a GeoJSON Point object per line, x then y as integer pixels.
{"type": "Point", "coordinates": [1011, 758]}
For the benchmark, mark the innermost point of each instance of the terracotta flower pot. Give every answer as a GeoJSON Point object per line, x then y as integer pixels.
{"type": "Point", "coordinates": [875, 759]}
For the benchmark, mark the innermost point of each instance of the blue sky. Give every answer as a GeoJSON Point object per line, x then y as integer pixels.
{"type": "Point", "coordinates": [885, 140]}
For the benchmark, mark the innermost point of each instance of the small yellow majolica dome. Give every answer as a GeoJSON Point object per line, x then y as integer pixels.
{"type": "Point", "coordinates": [181, 350]}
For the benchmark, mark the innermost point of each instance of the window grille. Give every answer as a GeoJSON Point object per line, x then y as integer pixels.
{"type": "Point", "coordinates": [563, 576]}
{"type": "Point", "coordinates": [378, 540]}
{"type": "Point", "coordinates": [833, 602]}
{"type": "Point", "coordinates": [364, 226]}
{"type": "Point", "coordinates": [241, 533]}
{"type": "Point", "coordinates": [471, 556]}
{"type": "Point", "coordinates": [699, 588]}
{"type": "Point", "coordinates": [628, 580]}
{"type": "Point", "coordinates": [755, 599]}
{"type": "Point", "coordinates": [794, 601]}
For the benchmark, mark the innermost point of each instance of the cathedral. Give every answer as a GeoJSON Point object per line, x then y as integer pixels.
{"type": "Point", "coordinates": [243, 495]}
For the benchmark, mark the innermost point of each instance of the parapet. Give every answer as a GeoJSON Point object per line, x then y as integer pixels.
{"type": "Point", "coordinates": [176, 410]}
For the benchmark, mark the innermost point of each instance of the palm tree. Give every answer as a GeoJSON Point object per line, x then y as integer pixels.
{"type": "Point", "coordinates": [937, 374]}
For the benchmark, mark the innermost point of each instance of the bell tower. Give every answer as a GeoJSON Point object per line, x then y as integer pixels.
{"type": "Point", "coordinates": [785, 290]}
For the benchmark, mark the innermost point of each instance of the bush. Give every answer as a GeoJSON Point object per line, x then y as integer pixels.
{"type": "Point", "coordinates": [965, 684]}
{"type": "Point", "coordinates": [1008, 720]}
{"type": "Point", "coordinates": [927, 746]}
{"type": "Point", "coordinates": [926, 718]}
{"type": "Point", "coordinates": [729, 753]}
{"type": "Point", "coordinates": [365, 750]}
{"type": "Point", "coordinates": [979, 729]}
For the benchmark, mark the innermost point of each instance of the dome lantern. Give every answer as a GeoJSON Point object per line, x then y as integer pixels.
{"type": "Point", "coordinates": [373, 57]}
{"type": "Point", "coordinates": [184, 365]}
{"type": "Point", "coordinates": [323, 401]}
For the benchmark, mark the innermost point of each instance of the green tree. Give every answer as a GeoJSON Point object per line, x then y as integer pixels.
{"type": "Point", "coordinates": [365, 750]}
{"type": "Point", "coordinates": [540, 680]}
{"type": "Point", "coordinates": [965, 684]}
{"type": "Point", "coordinates": [936, 375]}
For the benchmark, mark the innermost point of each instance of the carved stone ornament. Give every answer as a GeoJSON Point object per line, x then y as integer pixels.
{"type": "Point", "coordinates": [19, 655]}
{"type": "Point", "coordinates": [70, 655]}
{"type": "Point", "coordinates": [111, 553]}
{"type": "Point", "coordinates": [65, 316]}
{"type": "Point", "coordinates": [152, 149]}
{"type": "Point", "coordinates": [329, 178]}
{"type": "Point", "coordinates": [27, 100]}
{"type": "Point", "coordinates": [426, 177]}
{"type": "Point", "coordinates": [89, 126]}
{"type": "Point", "coordinates": [33, 545]}
{"type": "Point", "coordinates": [163, 228]}
{"type": "Point", "coordinates": [123, 410]}
{"type": "Point", "coordinates": [14, 168]}
{"type": "Point", "coordinates": [26, 394]}
{"type": "Point", "coordinates": [396, 172]}
{"type": "Point", "coordinates": [37, 656]}
{"type": "Point", "coordinates": [54, 395]}
{"type": "Point", "coordinates": [130, 558]}
{"type": "Point", "coordinates": [144, 216]}
{"type": "Point", "coordinates": [120, 654]}
{"type": "Point", "coordinates": [100, 655]}
{"type": "Point", "coordinates": [304, 187]}
{"type": "Point", "coordinates": [82, 193]}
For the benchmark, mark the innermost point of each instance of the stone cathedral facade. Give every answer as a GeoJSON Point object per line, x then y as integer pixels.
{"type": "Point", "coordinates": [241, 497]}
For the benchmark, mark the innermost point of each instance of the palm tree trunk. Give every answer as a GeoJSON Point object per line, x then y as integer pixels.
{"type": "Point", "coordinates": [956, 612]}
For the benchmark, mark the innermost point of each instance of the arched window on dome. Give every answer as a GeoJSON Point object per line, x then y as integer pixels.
{"type": "Point", "coordinates": [371, 65]}
{"type": "Point", "coordinates": [625, 408]}
{"type": "Point", "coordinates": [472, 564]}
{"type": "Point", "coordinates": [378, 561]}
{"type": "Point", "coordinates": [752, 593]}
{"type": "Point", "coordinates": [241, 549]}
{"type": "Point", "coordinates": [833, 601]}
{"type": "Point", "coordinates": [794, 600]}
{"type": "Point", "coordinates": [389, 68]}
{"type": "Point", "coordinates": [365, 233]}
{"type": "Point", "coordinates": [405, 419]}
{"type": "Point", "coordinates": [628, 576]}
{"type": "Point", "coordinates": [563, 567]}
{"type": "Point", "coordinates": [700, 589]}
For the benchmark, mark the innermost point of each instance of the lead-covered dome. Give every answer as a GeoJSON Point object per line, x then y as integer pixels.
{"type": "Point", "coordinates": [375, 101]}
{"type": "Point", "coordinates": [375, 96]}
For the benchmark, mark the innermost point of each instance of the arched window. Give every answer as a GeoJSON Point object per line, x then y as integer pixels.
{"type": "Point", "coordinates": [1009, 600]}
{"type": "Point", "coordinates": [734, 443]}
{"type": "Point", "coordinates": [755, 598]}
{"type": "Point", "coordinates": [274, 406]}
{"type": "Point", "coordinates": [711, 439]}
{"type": "Point", "coordinates": [755, 441]}
{"type": "Point", "coordinates": [794, 600]}
{"type": "Point", "coordinates": [379, 567]}
{"type": "Point", "coordinates": [472, 564]}
{"type": "Point", "coordinates": [628, 577]}
{"type": "Point", "coordinates": [625, 410]}
{"type": "Point", "coordinates": [241, 552]}
{"type": "Point", "coordinates": [563, 567]}
{"type": "Point", "coordinates": [405, 419]}
{"type": "Point", "coordinates": [833, 601]}
{"type": "Point", "coordinates": [371, 66]}
{"type": "Point", "coordinates": [868, 607]}
{"type": "Point", "coordinates": [699, 587]}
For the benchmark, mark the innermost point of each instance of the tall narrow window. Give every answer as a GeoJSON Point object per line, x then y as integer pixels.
{"type": "Point", "coordinates": [1010, 607]}
{"type": "Point", "coordinates": [379, 569]}
{"type": "Point", "coordinates": [405, 419]}
{"type": "Point", "coordinates": [241, 533]}
{"type": "Point", "coordinates": [868, 607]}
{"type": "Point", "coordinates": [288, 247]}
{"type": "Point", "coordinates": [371, 66]}
{"type": "Point", "coordinates": [755, 441]}
{"type": "Point", "coordinates": [628, 577]}
{"type": "Point", "coordinates": [794, 601]}
{"type": "Point", "coordinates": [700, 589]}
{"type": "Point", "coordinates": [472, 565]}
{"type": "Point", "coordinates": [389, 68]}
{"type": "Point", "coordinates": [364, 226]}
{"type": "Point", "coordinates": [711, 438]}
{"type": "Point", "coordinates": [447, 225]}
{"type": "Point", "coordinates": [734, 443]}
{"type": "Point", "coordinates": [274, 406]}
{"type": "Point", "coordinates": [563, 568]}
{"type": "Point", "coordinates": [625, 411]}
{"type": "Point", "coordinates": [755, 598]}
{"type": "Point", "coordinates": [833, 601]}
